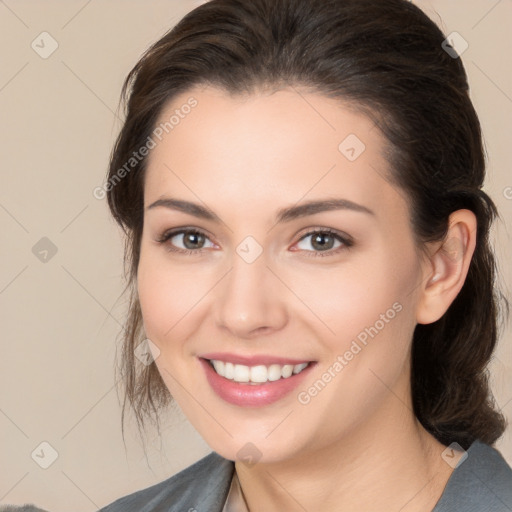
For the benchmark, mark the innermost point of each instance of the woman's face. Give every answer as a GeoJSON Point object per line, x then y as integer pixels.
{"type": "Point", "coordinates": [260, 290]}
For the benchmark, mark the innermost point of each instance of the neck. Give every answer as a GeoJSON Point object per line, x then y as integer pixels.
{"type": "Point", "coordinates": [389, 463]}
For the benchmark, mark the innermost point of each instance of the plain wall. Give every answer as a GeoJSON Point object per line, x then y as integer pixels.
{"type": "Point", "coordinates": [60, 317]}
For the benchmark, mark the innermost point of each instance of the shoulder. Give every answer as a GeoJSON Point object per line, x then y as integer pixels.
{"type": "Point", "coordinates": [201, 486]}
{"type": "Point", "coordinates": [483, 481]}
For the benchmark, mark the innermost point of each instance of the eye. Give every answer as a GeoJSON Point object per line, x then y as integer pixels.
{"type": "Point", "coordinates": [324, 240]}
{"type": "Point", "coordinates": [186, 241]}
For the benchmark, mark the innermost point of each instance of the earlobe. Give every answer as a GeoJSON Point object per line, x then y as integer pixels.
{"type": "Point", "coordinates": [447, 267]}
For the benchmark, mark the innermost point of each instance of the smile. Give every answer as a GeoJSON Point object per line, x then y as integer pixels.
{"type": "Point", "coordinates": [256, 374]}
{"type": "Point", "coordinates": [256, 385]}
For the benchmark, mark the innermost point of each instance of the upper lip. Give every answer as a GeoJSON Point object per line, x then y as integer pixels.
{"type": "Point", "coordinates": [263, 359]}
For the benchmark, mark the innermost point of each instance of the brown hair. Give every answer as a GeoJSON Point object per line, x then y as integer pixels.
{"type": "Point", "coordinates": [386, 58]}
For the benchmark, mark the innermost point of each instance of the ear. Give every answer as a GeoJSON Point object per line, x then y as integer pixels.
{"type": "Point", "coordinates": [446, 267]}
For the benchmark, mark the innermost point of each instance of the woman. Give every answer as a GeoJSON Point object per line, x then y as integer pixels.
{"type": "Point", "coordinates": [307, 240]}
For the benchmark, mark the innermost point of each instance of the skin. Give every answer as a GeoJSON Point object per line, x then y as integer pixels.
{"type": "Point", "coordinates": [357, 444]}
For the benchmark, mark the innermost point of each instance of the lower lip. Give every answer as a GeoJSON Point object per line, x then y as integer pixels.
{"type": "Point", "coordinates": [252, 395]}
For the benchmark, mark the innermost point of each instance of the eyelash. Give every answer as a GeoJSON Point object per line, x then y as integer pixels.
{"type": "Point", "coordinates": [346, 241]}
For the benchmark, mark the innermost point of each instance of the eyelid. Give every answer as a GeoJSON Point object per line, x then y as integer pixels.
{"type": "Point", "coordinates": [331, 231]}
{"type": "Point", "coordinates": [170, 233]}
{"type": "Point", "coordinates": [345, 239]}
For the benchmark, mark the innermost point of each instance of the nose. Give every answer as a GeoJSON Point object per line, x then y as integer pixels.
{"type": "Point", "coordinates": [250, 300]}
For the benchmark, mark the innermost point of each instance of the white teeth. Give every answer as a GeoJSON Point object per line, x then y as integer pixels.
{"type": "Point", "coordinates": [241, 373]}
{"type": "Point", "coordinates": [287, 371]}
{"type": "Point", "coordinates": [274, 372]}
{"type": "Point", "coordinates": [219, 366]}
{"type": "Point", "coordinates": [299, 367]}
{"type": "Point", "coordinates": [229, 370]}
{"type": "Point", "coordinates": [256, 374]}
{"type": "Point", "coordinates": [259, 373]}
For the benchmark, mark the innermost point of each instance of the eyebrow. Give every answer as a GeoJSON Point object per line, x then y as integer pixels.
{"type": "Point", "coordinates": [283, 215]}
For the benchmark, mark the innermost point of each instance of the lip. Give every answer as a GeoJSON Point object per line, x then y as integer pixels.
{"type": "Point", "coordinates": [265, 359]}
{"type": "Point", "coordinates": [253, 395]}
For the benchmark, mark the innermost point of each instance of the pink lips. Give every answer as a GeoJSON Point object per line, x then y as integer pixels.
{"type": "Point", "coordinates": [252, 395]}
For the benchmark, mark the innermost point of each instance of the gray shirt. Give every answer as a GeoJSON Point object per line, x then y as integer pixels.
{"type": "Point", "coordinates": [481, 483]}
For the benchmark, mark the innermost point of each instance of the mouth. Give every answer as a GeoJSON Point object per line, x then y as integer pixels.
{"type": "Point", "coordinates": [254, 385]}
{"type": "Point", "coordinates": [258, 374]}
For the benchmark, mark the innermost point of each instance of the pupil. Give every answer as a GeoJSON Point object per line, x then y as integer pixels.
{"type": "Point", "coordinates": [319, 241]}
{"type": "Point", "coordinates": [191, 239]}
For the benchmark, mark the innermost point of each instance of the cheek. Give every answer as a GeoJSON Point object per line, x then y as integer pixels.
{"type": "Point", "coordinates": [368, 318]}
{"type": "Point", "coordinates": [349, 300]}
{"type": "Point", "coordinates": [374, 322]}
{"type": "Point", "coordinates": [167, 294]}
{"type": "Point", "coordinates": [366, 349]}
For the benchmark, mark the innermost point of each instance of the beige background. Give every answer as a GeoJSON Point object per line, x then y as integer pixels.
{"type": "Point", "coordinates": [60, 318]}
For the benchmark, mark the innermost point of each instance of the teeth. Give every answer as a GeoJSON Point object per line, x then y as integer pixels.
{"type": "Point", "coordinates": [274, 372]}
{"type": "Point", "coordinates": [219, 367]}
{"type": "Point", "coordinates": [229, 370]}
{"type": "Point", "coordinates": [242, 373]}
{"type": "Point", "coordinates": [256, 374]}
{"type": "Point", "coordinates": [299, 367]}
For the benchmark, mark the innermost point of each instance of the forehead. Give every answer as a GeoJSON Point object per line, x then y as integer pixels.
{"type": "Point", "coordinates": [264, 148]}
